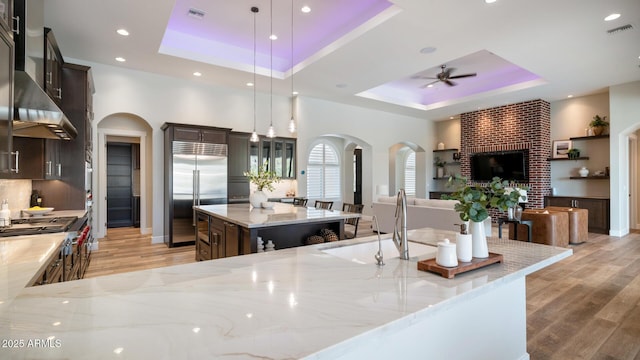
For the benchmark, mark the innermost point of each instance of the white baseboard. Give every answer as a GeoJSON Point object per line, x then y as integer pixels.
{"type": "Point", "coordinates": [618, 233]}
{"type": "Point", "coordinates": [157, 239]}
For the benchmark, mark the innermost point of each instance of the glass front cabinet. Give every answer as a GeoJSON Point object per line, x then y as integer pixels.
{"type": "Point", "coordinates": [277, 154]}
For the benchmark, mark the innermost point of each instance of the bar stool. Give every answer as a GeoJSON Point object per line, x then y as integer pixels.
{"type": "Point", "coordinates": [323, 204]}
{"type": "Point", "coordinates": [352, 208]}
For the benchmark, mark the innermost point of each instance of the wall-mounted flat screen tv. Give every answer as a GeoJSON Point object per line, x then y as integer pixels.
{"type": "Point", "coordinates": [508, 165]}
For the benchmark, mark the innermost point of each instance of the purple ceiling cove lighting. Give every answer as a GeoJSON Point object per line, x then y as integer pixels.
{"type": "Point", "coordinates": [217, 36]}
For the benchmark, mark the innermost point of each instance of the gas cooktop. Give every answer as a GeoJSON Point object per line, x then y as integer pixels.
{"type": "Point", "coordinates": [38, 225]}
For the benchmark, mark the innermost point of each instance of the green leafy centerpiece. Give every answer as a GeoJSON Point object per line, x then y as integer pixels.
{"type": "Point", "coordinates": [262, 179]}
{"type": "Point", "coordinates": [475, 200]}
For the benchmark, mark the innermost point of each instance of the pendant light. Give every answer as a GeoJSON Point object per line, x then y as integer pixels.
{"type": "Point", "coordinates": [254, 134]}
{"type": "Point", "coordinates": [292, 122]}
{"type": "Point", "coordinates": [271, 133]}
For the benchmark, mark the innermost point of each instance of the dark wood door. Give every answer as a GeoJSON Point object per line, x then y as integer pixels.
{"type": "Point", "coordinates": [119, 185]}
{"type": "Point", "coordinates": [357, 165]}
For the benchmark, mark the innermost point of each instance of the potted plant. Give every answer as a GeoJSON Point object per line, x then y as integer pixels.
{"type": "Point", "coordinates": [262, 179]}
{"type": "Point", "coordinates": [439, 166]}
{"type": "Point", "coordinates": [599, 124]}
{"type": "Point", "coordinates": [573, 153]}
{"type": "Point", "coordinates": [474, 202]}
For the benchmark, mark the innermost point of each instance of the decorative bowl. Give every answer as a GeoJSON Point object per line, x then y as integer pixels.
{"type": "Point", "coordinates": [38, 211]}
{"type": "Point", "coordinates": [267, 205]}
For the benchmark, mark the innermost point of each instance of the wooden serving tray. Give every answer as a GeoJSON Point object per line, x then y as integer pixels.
{"type": "Point", "coordinates": [450, 272]}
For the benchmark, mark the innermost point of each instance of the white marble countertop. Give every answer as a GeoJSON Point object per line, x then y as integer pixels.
{"type": "Point", "coordinates": [292, 303]}
{"type": "Point", "coordinates": [21, 257]}
{"type": "Point", "coordinates": [281, 214]}
{"type": "Point", "coordinates": [60, 213]}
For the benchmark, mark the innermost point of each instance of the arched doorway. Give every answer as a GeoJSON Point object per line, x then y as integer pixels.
{"type": "Point", "coordinates": [125, 128]}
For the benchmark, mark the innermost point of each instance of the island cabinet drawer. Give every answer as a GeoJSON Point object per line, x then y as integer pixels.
{"type": "Point", "coordinates": [231, 240]}
{"type": "Point", "coordinates": [52, 272]}
{"type": "Point", "coordinates": [203, 251]}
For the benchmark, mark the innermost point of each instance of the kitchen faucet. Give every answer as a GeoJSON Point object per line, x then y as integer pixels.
{"type": "Point", "coordinates": [400, 230]}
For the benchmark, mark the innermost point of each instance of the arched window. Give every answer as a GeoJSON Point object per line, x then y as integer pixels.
{"type": "Point", "coordinates": [323, 173]}
{"type": "Point", "coordinates": [410, 173]}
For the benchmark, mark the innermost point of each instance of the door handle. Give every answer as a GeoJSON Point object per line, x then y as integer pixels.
{"type": "Point", "coordinates": [17, 155]}
{"type": "Point", "coordinates": [198, 185]}
{"type": "Point", "coordinates": [193, 201]}
{"type": "Point", "coordinates": [49, 169]}
{"type": "Point", "coordinates": [17, 29]}
{"type": "Point", "coordinates": [59, 169]}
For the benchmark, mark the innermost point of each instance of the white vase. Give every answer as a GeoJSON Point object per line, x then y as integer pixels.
{"type": "Point", "coordinates": [584, 172]}
{"type": "Point", "coordinates": [257, 198]}
{"type": "Point", "coordinates": [479, 240]}
{"type": "Point", "coordinates": [487, 227]}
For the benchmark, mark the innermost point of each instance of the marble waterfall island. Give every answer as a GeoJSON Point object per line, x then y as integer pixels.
{"type": "Point", "coordinates": [296, 303]}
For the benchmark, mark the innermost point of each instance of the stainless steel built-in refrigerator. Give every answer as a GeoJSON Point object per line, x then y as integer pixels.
{"type": "Point", "coordinates": [199, 178]}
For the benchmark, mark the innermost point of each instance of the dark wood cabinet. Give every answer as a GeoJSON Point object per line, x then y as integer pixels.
{"type": "Point", "coordinates": [599, 210]}
{"type": "Point", "coordinates": [199, 134]}
{"type": "Point", "coordinates": [52, 159]}
{"type": "Point", "coordinates": [7, 159]}
{"type": "Point", "coordinates": [65, 160]}
{"type": "Point", "coordinates": [53, 271]}
{"type": "Point", "coordinates": [216, 238]}
{"type": "Point", "coordinates": [238, 184]}
{"type": "Point", "coordinates": [53, 62]}
{"type": "Point", "coordinates": [438, 194]}
{"type": "Point", "coordinates": [277, 154]}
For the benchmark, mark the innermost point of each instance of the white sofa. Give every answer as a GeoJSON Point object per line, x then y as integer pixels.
{"type": "Point", "coordinates": [433, 213]}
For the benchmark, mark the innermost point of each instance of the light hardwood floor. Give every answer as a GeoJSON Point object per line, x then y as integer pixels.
{"type": "Point", "coordinates": [584, 307]}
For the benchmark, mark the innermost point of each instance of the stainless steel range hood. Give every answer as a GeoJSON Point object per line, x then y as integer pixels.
{"type": "Point", "coordinates": [36, 115]}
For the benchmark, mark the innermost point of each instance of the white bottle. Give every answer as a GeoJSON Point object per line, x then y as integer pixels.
{"type": "Point", "coordinates": [5, 214]}
{"type": "Point", "coordinates": [270, 246]}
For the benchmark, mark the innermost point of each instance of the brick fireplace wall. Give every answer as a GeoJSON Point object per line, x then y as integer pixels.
{"type": "Point", "coordinates": [525, 125]}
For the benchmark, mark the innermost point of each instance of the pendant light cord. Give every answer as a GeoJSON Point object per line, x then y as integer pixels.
{"type": "Point", "coordinates": [271, 66]}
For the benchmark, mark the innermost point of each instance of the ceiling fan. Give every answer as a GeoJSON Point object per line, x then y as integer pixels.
{"type": "Point", "coordinates": [444, 76]}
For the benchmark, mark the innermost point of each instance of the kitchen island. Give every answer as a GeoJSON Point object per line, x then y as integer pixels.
{"type": "Point", "coordinates": [286, 225]}
{"type": "Point", "coordinates": [307, 302]}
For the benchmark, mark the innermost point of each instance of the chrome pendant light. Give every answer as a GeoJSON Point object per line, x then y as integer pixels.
{"type": "Point", "coordinates": [292, 122]}
{"type": "Point", "coordinates": [254, 135]}
{"type": "Point", "coordinates": [271, 133]}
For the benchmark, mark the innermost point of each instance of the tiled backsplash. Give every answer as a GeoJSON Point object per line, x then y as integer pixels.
{"type": "Point", "coordinates": [18, 193]}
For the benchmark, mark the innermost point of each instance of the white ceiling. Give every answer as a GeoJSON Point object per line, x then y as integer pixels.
{"type": "Point", "coordinates": [563, 43]}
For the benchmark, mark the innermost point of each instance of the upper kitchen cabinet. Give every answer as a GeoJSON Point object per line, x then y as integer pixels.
{"type": "Point", "coordinates": [278, 155]}
{"type": "Point", "coordinates": [238, 184]}
{"type": "Point", "coordinates": [6, 15]}
{"type": "Point", "coordinates": [6, 101]}
{"type": "Point", "coordinates": [53, 62]}
{"type": "Point", "coordinates": [203, 134]}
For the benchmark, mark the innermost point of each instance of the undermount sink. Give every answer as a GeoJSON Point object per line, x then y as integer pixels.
{"type": "Point", "coordinates": [364, 253]}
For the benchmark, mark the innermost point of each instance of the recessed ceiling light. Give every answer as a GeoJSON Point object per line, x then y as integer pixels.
{"type": "Point", "coordinates": [427, 50]}
{"type": "Point", "coordinates": [249, 84]}
{"type": "Point", "coordinates": [430, 85]}
{"type": "Point", "coordinates": [490, 1]}
{"type": "Point", "coordinates": [123, 32]}
{"type": "Point", "coordinates": [273, 37]}
{"type": "Point", "coordinates": [612, 17]}
{"type": "Point", "coordinates": [305, 9]}
{"type": "Point", "coordinates": [294, 93]}
{"type": "Point", "coordinates": [451, 118]}
{"type": "Point", "coordinates": [197, 73]}
{"type": "Point", "coordinates": [121, 59]}
{"type": "Point", "coordinates": [569, 96]}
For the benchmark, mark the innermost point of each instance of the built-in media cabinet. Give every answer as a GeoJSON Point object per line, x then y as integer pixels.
{"type": "Point", "coordinates": [598, 207]}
